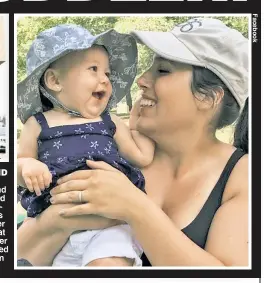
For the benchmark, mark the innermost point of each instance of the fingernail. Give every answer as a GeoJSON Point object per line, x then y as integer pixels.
{"type": "Point", "coordinates": [62, 212]}
{"type": "Point", "coordinates": [51, 193]}
{"type": "Point", "coordinates": [52, 200]}
{"type": "Point", "coordinates": [59, 181]}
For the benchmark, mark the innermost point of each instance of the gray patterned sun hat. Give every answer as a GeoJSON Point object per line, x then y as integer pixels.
{"type": "Point", "coordinates": [60, 40]}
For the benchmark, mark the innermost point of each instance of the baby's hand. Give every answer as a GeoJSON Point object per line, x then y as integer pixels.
{"type": "Point", "coordinates": [36, 176]}
{"type": "Point", "coordinates": [134, 115]}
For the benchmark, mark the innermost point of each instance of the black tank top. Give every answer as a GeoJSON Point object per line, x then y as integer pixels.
{"type": "Point", "coordinates": [198, 229]}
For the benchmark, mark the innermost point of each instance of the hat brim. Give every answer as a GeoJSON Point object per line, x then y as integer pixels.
{"type": "Point", "coordinates": [167, 45]}
{"type": "Point", "coordinates": [123, 56]}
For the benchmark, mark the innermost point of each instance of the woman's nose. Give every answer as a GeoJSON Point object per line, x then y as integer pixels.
{"type": "Point", "coordinates": [144, 81]}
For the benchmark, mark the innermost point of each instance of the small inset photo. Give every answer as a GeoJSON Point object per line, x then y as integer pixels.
{"type": "Point", "coordinates": [4, 91]}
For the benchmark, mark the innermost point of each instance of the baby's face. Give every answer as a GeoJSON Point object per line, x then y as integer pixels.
{"type": "Point", "coordinates": [86, 87]}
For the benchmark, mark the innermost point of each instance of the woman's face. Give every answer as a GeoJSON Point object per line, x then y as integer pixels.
{"type": "Point", "coordinates": [167, 101]}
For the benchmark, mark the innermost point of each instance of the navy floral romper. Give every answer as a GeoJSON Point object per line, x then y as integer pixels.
{"type": "Point", "coordinates": [66, 148]}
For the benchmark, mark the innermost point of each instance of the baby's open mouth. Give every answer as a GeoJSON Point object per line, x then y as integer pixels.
{"type": "Point", "coordinates": [99, 94]}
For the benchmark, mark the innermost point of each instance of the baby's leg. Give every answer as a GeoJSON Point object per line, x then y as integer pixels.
{"type": "Point", "coordinates": [74, 252]}
{"type": "Point", "coordinates": [40, 239]}
{"type": "Point", "coordinates": [113, 246]}
{"type": "Point", "coordinates": [112, 261]}
{"type": "Point", "coordinates": [37, 245]}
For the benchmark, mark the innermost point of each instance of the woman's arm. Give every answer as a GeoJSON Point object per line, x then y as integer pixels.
{"type": "Point", "coordinates": [229, 232]}
{"type": "Point", "coordinates": [162, 241]}
{"type": "Point", "coordinates": [51, 219]}
{"type": "Point", "coordinates": [134, 146]}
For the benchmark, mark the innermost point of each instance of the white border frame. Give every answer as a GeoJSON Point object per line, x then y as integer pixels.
{"type": "Point", "coordinates": [19, 16]}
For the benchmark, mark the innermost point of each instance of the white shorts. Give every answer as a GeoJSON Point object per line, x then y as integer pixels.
{"type": "Point", "coordinates": [84, 247]}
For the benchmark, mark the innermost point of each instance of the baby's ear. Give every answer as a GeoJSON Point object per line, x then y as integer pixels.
{"type": "Point", "coordinates": [51, 80]}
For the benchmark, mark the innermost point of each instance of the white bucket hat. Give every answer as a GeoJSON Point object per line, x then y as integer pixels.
{"type": "Point", "coordinates": [207, 43]}
{"type": "Point", "coordinates": [60, 40]}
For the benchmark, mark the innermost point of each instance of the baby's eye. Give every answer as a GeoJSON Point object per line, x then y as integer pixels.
{"type": "Point", "coordinates": [93, 68]}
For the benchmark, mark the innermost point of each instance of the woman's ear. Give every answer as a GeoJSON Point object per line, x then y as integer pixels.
{"type": "Point", "coordinates": [207, 102]}
{"type": "Point", "coordinates": [218, 96]}
{"type": "Point", "coordinates": [51, 79]}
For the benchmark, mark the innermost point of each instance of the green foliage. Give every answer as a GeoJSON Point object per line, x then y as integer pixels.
{"type": "Point", "coordinates": [29, 27]}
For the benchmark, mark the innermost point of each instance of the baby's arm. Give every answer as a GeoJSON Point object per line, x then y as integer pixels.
{"type": "Point", "coordinates": [134, 146]}
{"type": "Point", "coordinates": [31, 173]}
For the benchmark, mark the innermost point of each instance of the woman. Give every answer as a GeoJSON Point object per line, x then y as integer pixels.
{"type": "Point", "coordinates": [195, 212]}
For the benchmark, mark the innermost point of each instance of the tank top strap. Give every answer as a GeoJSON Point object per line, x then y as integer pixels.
{"type": "Point", "coordinates": [40, 118]}
{"type": "Point", "coordinates": [215, 198]}
{"type": "Point", "coordinates": [108, 122]}
{"type": "Point", "coordinates": [198, 229]}
{"type": "Point", "coordinates": [221, 184]}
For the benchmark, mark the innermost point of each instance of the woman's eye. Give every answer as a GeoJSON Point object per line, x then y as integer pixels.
{"type": "Point", "coordinates": [163, 71]}
{"type": "Point", "coordinates": [108, 74]}
{"type": "Point", "coordinates": [93, 68]}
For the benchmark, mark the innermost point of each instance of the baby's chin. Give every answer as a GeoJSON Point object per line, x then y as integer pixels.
{"type": "Point", "coordinates": [92, 112]}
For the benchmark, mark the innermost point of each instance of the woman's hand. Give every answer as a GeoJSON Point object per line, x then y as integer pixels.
{"type": "Point", "coordinates": [103, 191]}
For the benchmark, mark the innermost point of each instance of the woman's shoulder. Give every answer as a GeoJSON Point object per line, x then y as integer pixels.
{"type": "Point", "coordinates": [237, 184]}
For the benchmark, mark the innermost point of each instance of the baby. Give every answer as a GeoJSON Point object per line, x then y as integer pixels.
{"type": "Point", "coordinates": [77, 77]}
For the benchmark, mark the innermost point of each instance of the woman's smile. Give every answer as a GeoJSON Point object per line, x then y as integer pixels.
{"type": "Point", "coordinates": [147, 104]}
